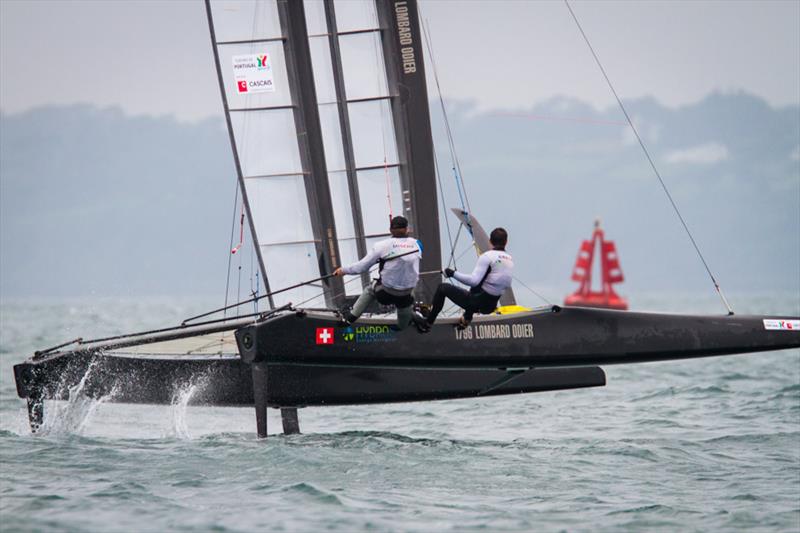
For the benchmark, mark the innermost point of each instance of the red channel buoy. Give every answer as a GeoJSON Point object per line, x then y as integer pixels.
{"type": "Point", "coordinates": [611, 272]}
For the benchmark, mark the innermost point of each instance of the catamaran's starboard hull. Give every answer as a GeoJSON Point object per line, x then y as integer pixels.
{"type": "Point", "coordinates": [227, 381]}
{"type": "Point", "coordinates": [555, 337]}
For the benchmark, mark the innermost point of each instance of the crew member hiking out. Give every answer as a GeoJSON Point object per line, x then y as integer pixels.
{"type": "Point", "coordinates": [398, 258]}
{"type": "Point", "coordinates": [491, 277]}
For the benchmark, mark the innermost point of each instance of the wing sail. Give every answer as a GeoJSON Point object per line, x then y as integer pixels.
{"type": "Point", "coordinates": [319, 122]}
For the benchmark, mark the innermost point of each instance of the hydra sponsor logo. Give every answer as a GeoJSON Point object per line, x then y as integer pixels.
{"type": "Point", "coordinates": [495, 331]}
{"type": "Point", "coordinates": [373, 334]}
{"type": "Point", "coordinates": [348, 335]}
{"type": "Point", "coordinates": [404, 35]}
{"type": "Point", "coordinates": [782, 324]}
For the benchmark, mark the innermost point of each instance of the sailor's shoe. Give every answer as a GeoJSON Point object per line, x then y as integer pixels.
{"type": "Point", "coordinates": [421, 324]}
{"type": "Point", "coordinates": [346, 317]}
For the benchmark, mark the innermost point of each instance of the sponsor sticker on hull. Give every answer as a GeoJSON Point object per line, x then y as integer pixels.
{"type": "Point", "coordinates": [325, 336]}
{"type": "Point", "coordinates": [252, 73]}
{"type": "Point", "coordinates": [781, 324]}
{"type": "Point", "coordinates": [355, 335]}
{"type": "Point", "coordinates": [495, 331]}
{"type": "Point", "coordinates": [366, 334]}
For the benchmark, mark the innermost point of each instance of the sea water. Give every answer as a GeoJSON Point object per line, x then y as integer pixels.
{"type": "Point", "coordinates": [709, 444]}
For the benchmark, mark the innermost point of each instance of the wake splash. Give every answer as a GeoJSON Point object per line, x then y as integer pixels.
{"type": "Point", "coordinates": [71, 417]}
{"type": "Point", "coordinates": [74, 415]}
{"type": "Point", "coordinates": [180, 402]}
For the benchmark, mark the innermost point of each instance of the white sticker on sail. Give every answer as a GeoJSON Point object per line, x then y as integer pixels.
{"type": "Point", "coordinates": [787, 325]}
{"type": "Point", "coordinates": [253, 73]}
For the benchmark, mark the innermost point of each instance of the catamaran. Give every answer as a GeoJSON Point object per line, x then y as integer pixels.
{"type": "Point", "coordinates": [327, 111]}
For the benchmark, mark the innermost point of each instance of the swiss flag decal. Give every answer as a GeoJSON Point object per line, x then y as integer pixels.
{"type": "Point", "coordinates": [324, 335]}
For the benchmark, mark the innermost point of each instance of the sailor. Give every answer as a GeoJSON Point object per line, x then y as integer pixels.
{"type": "Point", "coordinates": [491, 277]}
{"type": "Point", "coordinates": [398, 258]}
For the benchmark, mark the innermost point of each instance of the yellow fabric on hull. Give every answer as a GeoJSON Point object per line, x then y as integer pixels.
{"type": "Point", "coordinates": [511, 309]}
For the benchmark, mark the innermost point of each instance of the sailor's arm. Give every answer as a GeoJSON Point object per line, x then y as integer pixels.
{"type": "Point", "coordinates": [361, 266]}
{"type": "Point", "coordinates": [477, 275]}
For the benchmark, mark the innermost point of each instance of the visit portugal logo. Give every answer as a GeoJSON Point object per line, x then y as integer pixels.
{"type": "Point", "coordinates": [262, 61]}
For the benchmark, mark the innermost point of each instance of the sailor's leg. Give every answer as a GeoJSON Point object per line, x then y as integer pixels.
{"type": "Point", "coordinates": [472, 306]}
{"type": "Point", "coordinates": [259, 372]}
{"type": "Point", "coordinates": [468, 312]}
{"type": "Point", "coordinates": [438, 303]}
{"type": "Point", "coordinates": [482, 302]}
{"type": "Point", "coordinates": [458, 296]}
{"type": "Point", "coordinates": [366, 298]}
{"type": "Point", "coordinates": [291, 424]}
{"type": "Point", "coordinates": [404, 316]}
{"type": "Point", "coordinates": [35, 413]}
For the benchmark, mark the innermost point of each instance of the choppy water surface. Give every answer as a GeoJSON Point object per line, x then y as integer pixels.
{"type": "Point", "coordinates": [710, 444]}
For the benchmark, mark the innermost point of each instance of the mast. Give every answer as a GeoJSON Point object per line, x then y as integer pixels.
{"type": "Point", "coordinates": [405, 71]}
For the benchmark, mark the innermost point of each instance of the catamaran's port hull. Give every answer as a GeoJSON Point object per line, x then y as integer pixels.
{"type": "Point", "coordinates": [228, 381]}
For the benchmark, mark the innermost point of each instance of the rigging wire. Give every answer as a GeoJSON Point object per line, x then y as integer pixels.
{"type": "Point", "coordinates": [438, 172]}
{"type": "Point", "coordinates": [230, 245]}
{"type": "Point", "coordinates": [244, 149]}
{"type": "Point", "coordinates": [254, 291]}
{"type": "Point", "coordinates": [453, 248]}
{"type": "Point", "coordinates": [239, 284]}
{"type": "Point", "coordinates": [344, 292]}
{"type": "Point", "coordinates": [444, 205]}
{"type": "Point", "coordinates": [545, 300]}
{"type": "Point", "coordinates": [241, 231]}
{"type": "Point", "coordinates": [458, 175]}
{"type": "Point", "coordinates": [462, 254]}
{"type": "Point", "coordinates": [379, 79]}
{"type": "Point", "coordinates": [582, 120]}
{"type": "Point", "coordinates": [460, 186]}
{"type": "Point", "coordinates": [650, 160]}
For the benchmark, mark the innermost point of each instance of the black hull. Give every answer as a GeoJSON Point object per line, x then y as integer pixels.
{"type": "Point", "coordinates": [555, 337]}
{"type": "Point", "coordinates": [372, 363]}
{"type": "Point", "coordinates": [228, 381]}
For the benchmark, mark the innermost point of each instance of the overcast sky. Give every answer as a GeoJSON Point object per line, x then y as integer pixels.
{"type": "Point", "coordinates": [154, 57]}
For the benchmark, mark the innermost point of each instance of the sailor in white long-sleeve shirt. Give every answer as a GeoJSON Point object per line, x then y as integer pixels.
{"type": "Point", "coordinates": [490, 278]}
{"type": "Point", "coordinates": [399, 272]}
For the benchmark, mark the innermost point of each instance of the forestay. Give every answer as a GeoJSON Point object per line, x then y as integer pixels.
{"type": "Point", "coordinates": [321, 132]}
